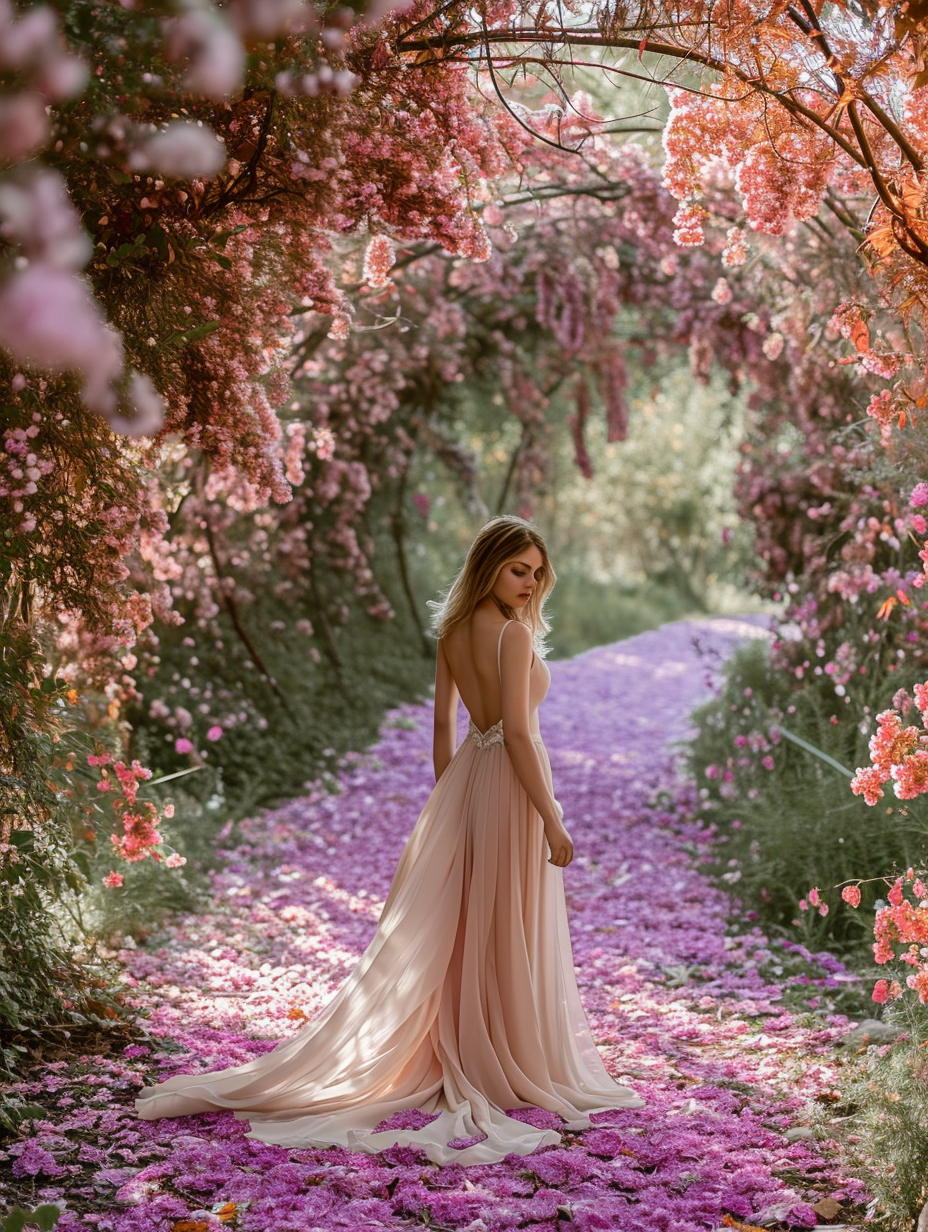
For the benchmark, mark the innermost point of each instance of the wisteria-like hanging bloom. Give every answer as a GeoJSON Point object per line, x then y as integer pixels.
{"type": "Point", "coordinates": [379, 261]}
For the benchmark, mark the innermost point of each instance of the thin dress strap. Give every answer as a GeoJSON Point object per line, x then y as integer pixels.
{"type": "Point", "coordinates": [499, 651]}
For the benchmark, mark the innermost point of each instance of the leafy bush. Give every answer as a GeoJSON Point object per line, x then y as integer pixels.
{"type": "Point", "coordinates": [886, 1135]}
{"type": "Point", "coordinates": [43, 817]}
{"type": "Point", "coordinates": [44, 1217]}
{"type": "Point", "coordinates": [787, 815]}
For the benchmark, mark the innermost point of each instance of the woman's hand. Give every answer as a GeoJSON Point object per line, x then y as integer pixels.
{"type": "Point", "coordinates": [562, 848]}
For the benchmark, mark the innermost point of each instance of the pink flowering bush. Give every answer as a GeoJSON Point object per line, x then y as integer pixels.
{"type": "Point", "coordinates": [785, 811]}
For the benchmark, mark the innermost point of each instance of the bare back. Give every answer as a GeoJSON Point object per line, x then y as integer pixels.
{"type": "Point", "coordinates": [472, 653]}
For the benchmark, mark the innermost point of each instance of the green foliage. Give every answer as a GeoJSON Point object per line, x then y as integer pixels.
{"type": "Point", "coordinates": [886, 1137]}
{"type": "Point", "coordinates": [796, 825]}
{"type": "Point", "coordinates": [43, 1217]}
{"type": "Point", "coordinates": [42, 984]}
{"type": "Point", "coordinates": [658, 514]}
{"type": "Point", "coordinates": [324, 693]}
{"type": "Point", "coordinates": [652, 537]}
{"type": "Point", "coordinates": [309, 709]}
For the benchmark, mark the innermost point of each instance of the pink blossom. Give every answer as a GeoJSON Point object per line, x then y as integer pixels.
{"type": "Point", "coordinates": [910, 776]}
{"type": "Point", "coordinates": [175, 860]}
{"type": "Point", "coordinates": [23, 125]}
{"type": "Point", "coordinates": [868, 782]}
{"type": "Point", "coordinates": [182, 745]}
{"type": "Point", "coordinates": [267, 19]}
{"type": "Point", "coordinates": [379, 261]}
{"type": "Point", "coordinates": [891, 742]}
{"type": "Point", "coordinates": [895, 894]}
{"type": "Point", "coordinates": [882, 407]}
{"type": "Point", "coordinates": [919, 525]}
{"type": "Point", "coordinates": [721, 292]}
{"type": "Point", "coordinates": [49, 318]}
{"type": "Point", "coordinates": [216, 56]}
{"type": "Point", "coordinates": [214, 733]}
{"type": "Point", "coordinates": [881, 991]}
{"type": "Point", "coordinates": [902, 701]}
{"type": "Point", "coordinates": [918, 497]}
{"type": "Point", "coordinates": [767, 762]}
{"type": "Point", "coordinates": [37, 214]}
{"type": "Point", "coordinates": [323, 443]}
{"type": "Point", "coordinates": [735, 252]}
{"type": "Point", "coordinates": [113, 880]}
{"type": "Point", "coordinates": [773, 345]}
{"type": "Point", "coordinates": [182, 150]}
{"type": "Point", "coordinates": [851, 894]}
{"type": "Point", "coordinates": [688, 222]}
{"type": "Point", "coordinates": [146, 405]}
{"type": "Point", "coordinates": [377, 10]}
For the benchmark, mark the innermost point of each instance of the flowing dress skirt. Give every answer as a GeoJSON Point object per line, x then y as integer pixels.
{"type": "Point", "coordinates": [465, 1003]}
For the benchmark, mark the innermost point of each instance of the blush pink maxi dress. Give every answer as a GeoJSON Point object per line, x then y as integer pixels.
{"type": "Point", "coordinates": [464, 1004]}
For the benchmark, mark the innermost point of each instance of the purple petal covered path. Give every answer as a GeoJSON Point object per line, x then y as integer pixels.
{"type": "Point", "coordinates": [683, 1012]}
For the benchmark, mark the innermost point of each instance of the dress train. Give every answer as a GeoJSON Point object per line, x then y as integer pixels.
{"type": "Point", "coordinates": [465, 1003]}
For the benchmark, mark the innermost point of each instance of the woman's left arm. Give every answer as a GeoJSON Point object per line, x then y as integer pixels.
{"type": "Point", "coordinates": [446, 714]}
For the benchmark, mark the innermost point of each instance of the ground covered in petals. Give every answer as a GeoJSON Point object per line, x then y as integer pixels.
{"type": "Point", "coordinates": [688, 1003]}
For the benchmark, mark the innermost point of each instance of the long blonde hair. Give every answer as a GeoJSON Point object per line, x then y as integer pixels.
{"type": "Point", "coordinates": [501, 539]}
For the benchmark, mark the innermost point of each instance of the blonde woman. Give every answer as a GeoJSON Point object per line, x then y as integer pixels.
{"type": "Point", "coordinates": [465, 1002]}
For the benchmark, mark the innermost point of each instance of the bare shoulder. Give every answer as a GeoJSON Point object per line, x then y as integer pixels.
{"type": "Point", "coordinates": [520, 638]}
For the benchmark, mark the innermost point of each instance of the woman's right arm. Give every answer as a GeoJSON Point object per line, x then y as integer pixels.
{"type": "Point", "coordinates": [515, 668]}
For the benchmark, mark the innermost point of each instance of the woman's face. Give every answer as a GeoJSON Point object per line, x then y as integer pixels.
{"type": "Point", "coordinates": [518, 578]}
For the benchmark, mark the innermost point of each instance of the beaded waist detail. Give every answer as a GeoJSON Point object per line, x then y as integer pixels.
{"type": "Point", "coordinates": [493, 735]}
{"type": "Point", "coordinates": [485, 740]}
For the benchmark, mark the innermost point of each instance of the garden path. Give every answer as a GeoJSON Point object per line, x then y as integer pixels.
{"type": "Point", "coordinates": [686, 1009]}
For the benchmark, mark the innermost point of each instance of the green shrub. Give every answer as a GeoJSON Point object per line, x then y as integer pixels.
{"type": "Point", "coordinates": [886, 1133]}
{"type": "Point", "coordinates": [44, 1217]}
{"type": "Point", "coordinates": [795, 824]}
{"type": "Point", "coordinates": [43, 986]}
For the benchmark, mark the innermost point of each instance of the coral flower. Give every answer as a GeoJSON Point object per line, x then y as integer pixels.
{"type": "Point", "coordinates": [868, 782]}
{"type": "Point", "coordinates": [910, 779]}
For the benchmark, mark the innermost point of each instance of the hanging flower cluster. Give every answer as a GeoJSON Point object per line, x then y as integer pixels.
{"type": "Point", "coordinates": [901, 922]}
{"type": "Point", "coordinates": [137, 820]}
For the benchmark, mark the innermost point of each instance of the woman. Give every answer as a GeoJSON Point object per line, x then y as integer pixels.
{"type": "Point", "coordinates": [465, 1002]}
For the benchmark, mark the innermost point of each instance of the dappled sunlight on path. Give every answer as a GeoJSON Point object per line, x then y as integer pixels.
{"type": "Point", "coordinates": [685, 1010]}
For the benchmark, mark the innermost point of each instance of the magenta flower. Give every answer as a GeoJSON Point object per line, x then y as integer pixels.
{"type": "Point", "coordinates": [182, 745]}
{"type": "Point", "coordinates": [214, 733]}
